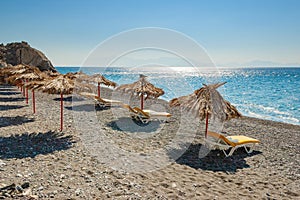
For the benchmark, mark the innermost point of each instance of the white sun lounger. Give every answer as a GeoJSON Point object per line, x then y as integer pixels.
{"type": "Point", "coordinates": [161, 116]}
{"type": "Point", "coordinates": [102, 102]}
{"type": "Point", "coordinates": [107, 102]}
{"type": "Point", "coordinates": [222, 142]}
{"type": "Point", "coordinates": [146, 116]}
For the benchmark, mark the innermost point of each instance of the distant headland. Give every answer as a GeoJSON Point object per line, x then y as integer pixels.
{"type": "Point", "coordinates": [22, 53]}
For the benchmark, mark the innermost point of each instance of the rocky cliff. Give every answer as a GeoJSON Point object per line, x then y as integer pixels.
{"type": "Point", "coordinates": [21, 53]}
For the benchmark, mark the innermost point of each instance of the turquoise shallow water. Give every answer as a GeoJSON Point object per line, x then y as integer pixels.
{"type": "Point", "coordinates": [266, 93]}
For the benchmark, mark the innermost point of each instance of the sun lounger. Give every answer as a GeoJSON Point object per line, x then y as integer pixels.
{"type": "Point", "coordinates": [102, 102]}
{"type": "Point", "coordinates": [107, 102]}
{"type": "Point", "coordinates": [88, 95]}
{"type": "Point", "coordinates": [146, 115]}
{"type": "Point", "coordinates": [222, 142]}
{"type": "Point", "coordinates": [161, 116]}
{"type": "Point", "coordinates": [133, 113]}
{"type": "Point", "coordinates": [137, 114]}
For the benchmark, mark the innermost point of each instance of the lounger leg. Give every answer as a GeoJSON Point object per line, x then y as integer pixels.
{"type": "Point", "coordinates": [226, 155]}
{"type": "Point", "coordinates": [231, 151]}
{"type": "Point", "coordinates": [250, 148]}
{"type": "Point", "coordinates": [145, 121]}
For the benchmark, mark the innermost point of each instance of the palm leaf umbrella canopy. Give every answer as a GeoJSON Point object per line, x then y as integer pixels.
{"type": "Point", "coordinates": [207, 102]}
{"type": "Point", "coordinates": [100, 79]}
{"type": "Point", "coordinates": [58, 85]}
{"type": "Point", "coordinates": [141, 88]}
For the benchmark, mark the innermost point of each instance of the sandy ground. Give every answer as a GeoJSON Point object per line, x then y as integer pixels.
{"type": "Point", "coordinates": [102, 154]}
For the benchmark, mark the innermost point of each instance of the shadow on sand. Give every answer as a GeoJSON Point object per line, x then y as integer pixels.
{"type": "Point", "coordinates": [83, 107]}
{"type": "Point", "coordinates": [10, 107]}
{"type": "Point", "coordinates": [9, 89]}
{"type": "Point", "coordinates": [86, 108]}
{"type": "Point", "coordinates": [69, 99]}
{"type": "Point", "coordinates": [215, 160]}
{"type": "Point", "coordinates": [12, 121]}
{"type": "Point", "coordinates": [32, 144]}
{"type": "Point", "coordinates": [10, 93]}
{"type": "Point", "coordinates": [129, 125]}
{"type": "Point", "coordinates": [11, 99]}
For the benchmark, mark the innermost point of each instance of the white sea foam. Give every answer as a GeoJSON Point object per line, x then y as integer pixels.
{"type": "Point", "coordinates": [252, 114]}
{"type": "Point", "coordinates": [291, 120]}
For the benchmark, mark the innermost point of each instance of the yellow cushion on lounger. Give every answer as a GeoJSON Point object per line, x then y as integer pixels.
{"type": "Point", "coordinates": [112, 101]}
{"type": "Point", "coordinates": [226, 142]}
{"type": "Point", "coordinates": [155, 113]}
{"type": "Point", "coordinates": [241, 139]}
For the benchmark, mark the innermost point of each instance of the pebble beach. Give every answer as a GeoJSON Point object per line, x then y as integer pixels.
{"type": "Point", "coordinates": [60, 165]}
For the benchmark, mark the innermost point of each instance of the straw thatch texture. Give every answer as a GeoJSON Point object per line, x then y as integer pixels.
{"type": "Point", "coordinates": [83, 87]}
{"type": "Point", "coordinates": [51, 74]}
{"type": "Point", "coordinates": [100, 79]}
{"type": "Point", "coordinates": [31, 76]}
{"type": "Point", "coordinates": [141, 87]}
{"type": "Point", "coordinates": [207, 101]}
{"type": "Point", "coordinates": [18, 69]}
{"type": "Point", "coordinates": [77, 75]}
{"type": "Point", "coordinates": [58, 85]}
{"type": "Point", "coordinates": [22, 69]}
{"type": "Point", "coordinates": [17, 74]}
{"type": "Point", "coordinates": [32, 85]}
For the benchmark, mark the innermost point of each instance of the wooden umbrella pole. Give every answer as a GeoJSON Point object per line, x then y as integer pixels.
{"type": "Point", "coordinates": [98, 89]}
{"type": "Point", "coordinates": [61, 112]}
{"type": "Point", "coordinates": [23, 89]}
{"type": "Point", "coordinates": [142, 101]}
{"type": "Point", "coordinates": [33, 101]}
{"type": "Point", "coordinates": [26, 92]}
{"type": "Point", "coordinates": [206, 125]}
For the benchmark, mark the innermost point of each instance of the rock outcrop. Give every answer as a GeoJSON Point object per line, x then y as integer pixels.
{"type": "Point", "coordinates": [21, 53]}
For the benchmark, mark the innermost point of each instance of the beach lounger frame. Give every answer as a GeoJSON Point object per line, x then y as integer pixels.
{"type": "Point", "coordinates": [101, 101]}
{"type": "Point", "coordinates": [144, 117]}
{"type": "Point", "coordinates": [137, 114]}
{"type": "Point", "coordinates": [230, 142]}
{"type": "Point", "coordinates": [160, 116]}
{"type": "Point", "coordinates": [107, 102]}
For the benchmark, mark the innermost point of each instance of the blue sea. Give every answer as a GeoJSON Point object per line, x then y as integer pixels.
{"type": "Point", "coordinates": [265, 93]}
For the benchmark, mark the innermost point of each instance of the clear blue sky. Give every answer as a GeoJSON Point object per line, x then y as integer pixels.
{"type": "Point", "coordinates": [234, 32]}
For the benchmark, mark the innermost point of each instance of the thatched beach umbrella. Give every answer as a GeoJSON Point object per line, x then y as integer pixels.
{"type": "Point", "coordinates": [6, 72]}
{"type": "Point", "coordinates": [141, 88]}
{"type": "Point", "coordinates": [58, 85]}
{"type": "Point", "coordinates": [32, 85]}
{"type": "Point", "coordinates": [17, 71]}
{"type": "Point", "coordinates": [51, 74]}
{"type": "Point", "coordinates": [206, 102]}
{"type": "Point", "coordinates": [33, 76]}
{"type": "Point", "coordinates": [81, 76]}
{"type": "Point", "coordinates": [100, 79]}
{"type": "Point", "coordinates": [82, 81]}
{"type": "Point", "coordinates": [22, 68]}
